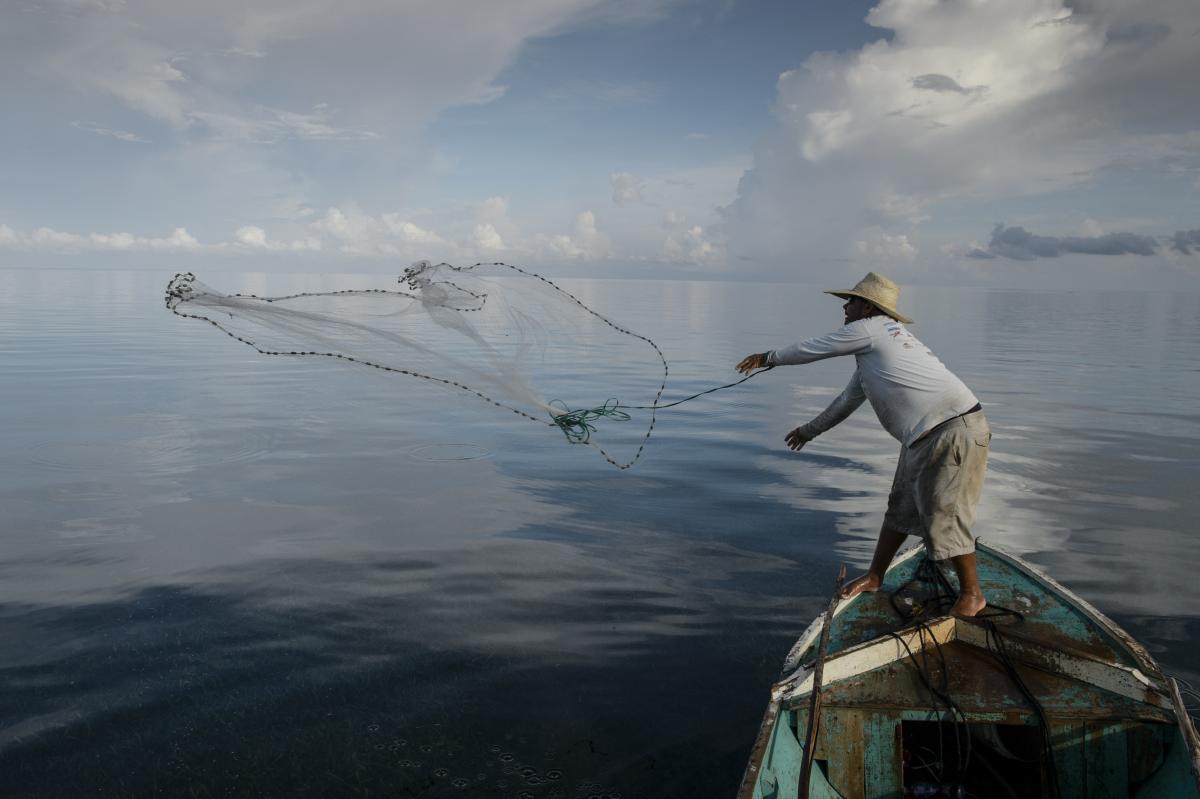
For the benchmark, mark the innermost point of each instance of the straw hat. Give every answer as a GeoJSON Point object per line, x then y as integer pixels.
{"type": "Point", "coordinates": [877, 290]}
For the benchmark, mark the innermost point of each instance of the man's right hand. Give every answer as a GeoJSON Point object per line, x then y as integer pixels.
{"type": "Point", "coordinates": [751, 362]}
{"type": "Point", "coordinates": [797, 439]}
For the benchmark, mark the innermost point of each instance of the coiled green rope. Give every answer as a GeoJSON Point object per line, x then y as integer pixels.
{"type": "Point", "coordinates": [577, 425]}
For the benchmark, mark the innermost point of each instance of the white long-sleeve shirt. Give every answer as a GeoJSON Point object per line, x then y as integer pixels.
{"type": "Point", "coordinates": [910, 390]}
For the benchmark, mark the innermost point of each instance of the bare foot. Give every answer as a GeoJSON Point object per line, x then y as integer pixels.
{"type": "Point", "coordinates": [968, 605]}
{"type": "Point", "coordinates": [867, 584]}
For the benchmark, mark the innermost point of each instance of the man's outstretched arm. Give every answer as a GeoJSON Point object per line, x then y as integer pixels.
{"type": "Point", "coordinates": [842, 406]}
{"type": "Point", "coordinates": [850, 339]}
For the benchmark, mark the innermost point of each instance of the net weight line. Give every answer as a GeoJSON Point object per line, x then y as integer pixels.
{"type": "Point", "coordinates": [577, 425]}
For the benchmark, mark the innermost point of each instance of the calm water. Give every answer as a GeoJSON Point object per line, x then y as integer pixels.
{"type": "Point", "coordinates": [228, 574]}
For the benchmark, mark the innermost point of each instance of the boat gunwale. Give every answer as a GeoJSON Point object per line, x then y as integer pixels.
{"type": "Point", "coordinates": [791, 663]}
{"type": "Point", "coordinates": [1145, 661]}
{"type": "Point", "coordinates": [1187, 728]}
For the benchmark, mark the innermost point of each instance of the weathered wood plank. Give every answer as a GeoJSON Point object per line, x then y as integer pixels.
{"type": "Point", "coordinates": [843, 734]}
{"type": "Point", "coordinates": [884, 773]}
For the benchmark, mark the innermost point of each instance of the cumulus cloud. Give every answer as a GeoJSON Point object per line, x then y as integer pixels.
{"type": "Point", "coordinates": [408, 231]}
{"type": "Point", "coordinates": [967, 102]}
{"type": "Point", "coordinates": [254, 238]}
{"type": "Point", "coordinates": [687, 242]}
{"type": "Point", "coordinates": [585, 241]}
{"type": "Point", "coordinates": [877, 243]}
{"type": "Point", "coordinates": [48, 239]}
{"type": "Point", "coordinates": [626, 188]}
{"type": "Point", "coordinates": [227, 66]}
{"type": "Point", "coordinates": [485, 238]}
{"type": "Point", "coordinates": [351, 227]}
{"type": "Point", "coordinates": [1019, 244]}
{"type": "Point", "coordinates": [179, 239]}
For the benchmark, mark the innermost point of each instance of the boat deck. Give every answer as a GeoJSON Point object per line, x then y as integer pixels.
{"type": "Point", "coordinates": [913, 700]}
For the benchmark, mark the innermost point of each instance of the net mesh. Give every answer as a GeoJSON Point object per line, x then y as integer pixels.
{"type": "Point", "coordinates": [499, 333]}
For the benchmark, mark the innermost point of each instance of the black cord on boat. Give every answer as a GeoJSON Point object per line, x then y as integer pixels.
{"type": "Point", "coordinates": [996, 645]}
{"type": "Point", "coordinates": [961, 730]}
{"type": "Point", "coordinates": [928, 572]}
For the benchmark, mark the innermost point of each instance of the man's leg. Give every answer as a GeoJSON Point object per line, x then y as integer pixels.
{"type": "Point", "coordinates": [885, 549]}
{"type": "Point", "coordinates": [901, 514]}
{"type": "Point", "coordinates": [970, 595]}
{"type": "Point", "coordinates": [951, 504]}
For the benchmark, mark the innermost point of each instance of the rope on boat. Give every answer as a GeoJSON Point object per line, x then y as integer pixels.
{"type": "Point", "coordinates": [928, 572]}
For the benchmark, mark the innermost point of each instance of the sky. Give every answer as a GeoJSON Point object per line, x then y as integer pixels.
{"type": "Point", "coordinates": [1007, 142]}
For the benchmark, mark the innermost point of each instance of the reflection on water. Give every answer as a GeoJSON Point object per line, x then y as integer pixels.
{"type": "Point", "coordinates": [227, 574]}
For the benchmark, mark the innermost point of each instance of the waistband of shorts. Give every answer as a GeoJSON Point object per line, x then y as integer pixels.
{"type": "Point", "coordinates": [978, 407]}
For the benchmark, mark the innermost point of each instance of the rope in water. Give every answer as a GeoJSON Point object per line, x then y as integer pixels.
{"type": "Point", "coordinates": [577, 425]}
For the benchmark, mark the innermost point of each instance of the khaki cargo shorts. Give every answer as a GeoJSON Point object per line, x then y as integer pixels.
{"type": "Point", "coordinates": [938, 482]}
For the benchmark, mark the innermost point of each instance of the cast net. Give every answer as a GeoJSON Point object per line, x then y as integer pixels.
{"type": "Point", "coordinates": [496, 332]}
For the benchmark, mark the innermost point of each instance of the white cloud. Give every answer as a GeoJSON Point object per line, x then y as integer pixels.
{"type": "Point", "coordinates": [225, 66]}
{"type": "Point", "coordinates": [967, 101]}
{"type": "Point", "coordinates": [626, 188]}
{"type": "Point", "coordinates": [251, 236]}
{"type": "Point", "coordinates": [486, 238]}
{"type": "Point", "coordinates": [255, 238]}
{"type": "Point", "coordinates": [877, 244]}
{"type": "Point", "coordinates": [686, 242]}
{"type": "Point", "coordinates": [585, 241]}
{"type": "Point", "coordinates": [179, 240]}
{"type": "Point", "coordinates": [48, 239]}
{"type": "Point", "coordinates": [408, 231]}
{"type": "Point", "coordinates": [355, 231]}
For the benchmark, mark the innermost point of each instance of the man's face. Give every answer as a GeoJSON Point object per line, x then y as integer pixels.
{"type": "Point", "coordinates": [857, 308]}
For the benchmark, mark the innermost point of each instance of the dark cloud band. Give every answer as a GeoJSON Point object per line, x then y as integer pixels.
{"type": "Point", "coordinates": [1186, 241]}
{"type": "Point", "coordinates": [1019, 244]}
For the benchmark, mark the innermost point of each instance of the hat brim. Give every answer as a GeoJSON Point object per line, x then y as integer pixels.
{"type": "Point", "coordinates": [892, 312]}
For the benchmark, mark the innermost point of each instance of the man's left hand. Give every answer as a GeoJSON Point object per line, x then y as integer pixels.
{"type": "Point", "coordinates": [797, 439]}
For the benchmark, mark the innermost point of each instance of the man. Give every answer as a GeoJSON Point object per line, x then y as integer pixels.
{"type": "Point", "coordinates": [939, 423]}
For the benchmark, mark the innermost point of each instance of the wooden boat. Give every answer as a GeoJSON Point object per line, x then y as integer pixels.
{"type": "Point", "coordinates": [1042, 696]}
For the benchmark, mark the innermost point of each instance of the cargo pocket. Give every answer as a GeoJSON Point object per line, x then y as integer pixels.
{"type": "Point", "coordinates": [984, 440]}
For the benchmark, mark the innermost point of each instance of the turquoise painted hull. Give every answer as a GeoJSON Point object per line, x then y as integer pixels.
{"type": "Point", "coordinates": [1041, 696]}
